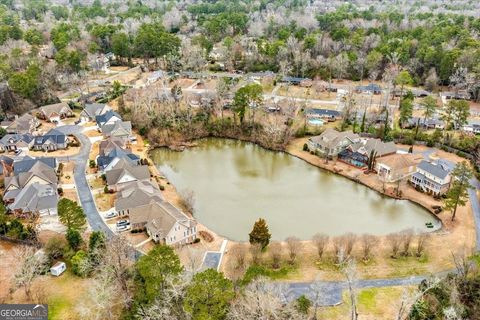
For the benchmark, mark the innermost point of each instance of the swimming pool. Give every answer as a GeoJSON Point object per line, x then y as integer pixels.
{"type": "Point", "coordinates": [316, 122]}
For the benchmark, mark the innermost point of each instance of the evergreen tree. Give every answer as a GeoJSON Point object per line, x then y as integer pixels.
{"type": "Point", "coordinates": [260, 233]}
{"type": "Point", "coordinates": [458, 193]}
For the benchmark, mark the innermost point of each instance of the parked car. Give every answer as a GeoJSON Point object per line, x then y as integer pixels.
{"type": "Point", "coordinates": [123, 223]}
{"type": "Point", "coordinates": [123, 228]}
{"type": "Point", "coordinates": [110, 215]}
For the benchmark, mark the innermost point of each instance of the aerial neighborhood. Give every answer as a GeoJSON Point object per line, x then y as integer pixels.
{"type": "Point", "coordinates": [232, 160]}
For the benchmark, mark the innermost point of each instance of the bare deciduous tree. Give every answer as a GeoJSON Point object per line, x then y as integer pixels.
{"type": "Point", "coordinates": [421, 241]}
{"type": "Point", "coordinates": [261, 300]}
{"type": "Point", "coordinates": [194, 259]}
{"type": "Point", "coordinates": [407, 237]}
{"type": "Point", "coordinates": [256, 253]}
{"type": "Point", "coordinates": [410, 298]}
{"type": "Point", "coordinates": [187, 200]}
{"type": "Point", "coordinates": [395, 240]}
{"type": "Point", "coordinates": [367, 241]}
{"type": "Point", "coordinates": [117, 261]}
{"type": "Point", "coordinates": [321, 241]}
{"type": "Point", "coordinates": [294, 246]}
{"type": "Point", "coordinates": [31, 266]}
{"type": "Point", "coordinates": [239, 253]}
{"type": "Point", "coordinates": [275, 251]}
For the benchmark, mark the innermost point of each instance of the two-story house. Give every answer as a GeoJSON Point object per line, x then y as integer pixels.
{"type": "Point", "coordinates": [433, 178]}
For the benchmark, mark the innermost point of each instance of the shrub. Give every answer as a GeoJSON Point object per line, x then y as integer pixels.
{"type": "Point", "coordinates": [197, 240]}
{"type": "Point", "coordinates": [74, 239]}
{"type": "Point", "coordinates": [55, 247]}
{"type": "Point", "coordinates": [106, 190]}
{"type": "Point", "coordinates": [92, 164]}
{"type": "Point", "coordinates": [80, 264]}
{"type": "Point", "coordinates": [305, 147]}
{"type": "Point", "coordinates": [162, 187]}
{"type": "Point", "coordinates": [303, 304]}
{"type": "Point", "coordinates": [104, 177]}
{"type": "Point", "coordinates": [60, 191]}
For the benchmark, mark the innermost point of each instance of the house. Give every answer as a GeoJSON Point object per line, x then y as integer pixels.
{"type": "Point", "coordinates": [55, 112]}
{"type": "Point", "coordinates": [39, 172]}
{"type": "Point", "coordinates": [458, 95]}
{"type": "Point", "coordinates": [429, 123]}
{"type": "Point", "coordinates": [397, 166]}
{"type": "Point", "coordinates": [118, 129]}
{"type": "Point", "coordinates": [92, 110]}
{"type": "Point", "coordinates": [14, 142]}
{"type": "Point", "coordinates": [294, 80]}
{"type": "Point", "coordinates": [331, 142]}
{"type": "Point", "coordinates": [472, 127]}
{"type": "Point", "coordinates": [53, 140]}
{"type": "Point", "coordinates": [164, 223]}
{"type": "Point", "coordinates": [330, 115]}
{"type": "Point", "coordinates": [109, 117]}
{"type": "Point", "coordinates": [109, 156]}
{"type": "Point", "coordinates": [25, 124]}
{"type": "Point", "coordinates": [358, 154]}
{"type": "Point", "coordinates": [371, 88]}
{"type": "Point", "coordinates": [58, 268]}
{"type": "Point", "coordinates": [135, 194]}
{"type": "Point", "coordinates": [432, 177]}
{"type": "Point", "coordinates": [6, 165]}
{"type": "Point", "coordinates": [25, 163]}
{"type": "Point", "coordinates": [123, 173]}
{"type": "Point", "coordinates": [418, 93]}
{"type": "Point", "coordinates": [36, 198]}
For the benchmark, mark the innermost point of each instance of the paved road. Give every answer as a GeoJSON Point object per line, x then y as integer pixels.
{"type": "Point", "coordinates": [84, 193]}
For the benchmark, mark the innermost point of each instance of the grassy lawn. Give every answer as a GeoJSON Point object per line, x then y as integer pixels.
{"type": "Point", "coordinates": [104, 201]}
{"type": "Point", "coordinates": [96, 183]}
{"type": "Point", "coordinates": [373, 303]}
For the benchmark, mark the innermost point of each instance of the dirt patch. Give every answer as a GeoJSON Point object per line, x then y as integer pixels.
{"type": "Point", "coordinates": [70, 194]}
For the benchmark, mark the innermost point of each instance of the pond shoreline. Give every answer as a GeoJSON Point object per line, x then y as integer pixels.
{"type": "Point", "coordinates": [331, 167]}
{"type": "Point", "coordinates": [300, 154]}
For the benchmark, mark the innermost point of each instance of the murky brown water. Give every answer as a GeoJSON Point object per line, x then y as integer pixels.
{"type": "Point", "coordinates": [235, 183]}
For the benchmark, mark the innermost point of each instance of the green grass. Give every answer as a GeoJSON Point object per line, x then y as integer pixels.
{"type": "Point", "coordinates": [57, 306]}
{"type": "Point", "coordinates": [367, 298]}
{"type": "Point", "coordinates": [275, 274]}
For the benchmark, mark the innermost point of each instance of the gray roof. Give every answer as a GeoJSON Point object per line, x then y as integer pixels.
{"type": "Point", "coordinates": [53, 136]}
{"type": "Point", "coordinates": [94, 109]}
{"type": "Point", "coordinates": [160, 217]}
{"type": "Point", "coordinates": [27, 163]}
{"type": "Point", "coordinates": [35, 197]}
{"type": "Point", "coordinates": [119, 128]}
{"type": "Point", "coordinates": [437, 170]}
{"type": "Point", "coordinates": [122, 168]}
{"type": "Point", "coordinates": [15, 138]}
{"type": "Point", "coordinates": [330, 138]}
{"type": "Point", "coordinates": [57, 108]}
{"type": "Point", "coordinates": [39, 169]}
{"type": "Point", "coordinates": [378, 146]}
{"type": "Point", "coordinates": [136, 194]}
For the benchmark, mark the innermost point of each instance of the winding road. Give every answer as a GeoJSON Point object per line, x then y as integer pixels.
{"type": "Point", "coordinates": [84, 193]}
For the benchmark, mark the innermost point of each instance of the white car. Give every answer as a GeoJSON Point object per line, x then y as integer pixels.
{"type": "Point", "coordinates": [123, 228]}
{"type": "Point", "coordinates": [110, 215]}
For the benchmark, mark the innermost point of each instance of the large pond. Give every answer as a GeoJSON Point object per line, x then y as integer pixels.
{"type": "Point", "coordinates": [235, 183]}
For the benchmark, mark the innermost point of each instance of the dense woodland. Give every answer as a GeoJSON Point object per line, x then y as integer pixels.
{"type": "Point", "coordinates": [47, 46]}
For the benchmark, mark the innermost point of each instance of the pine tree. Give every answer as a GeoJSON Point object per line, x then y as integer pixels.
{"type": "Point", "coordinates": [260, 233]}
{"type": "Point", "coordinates": [458, 193]}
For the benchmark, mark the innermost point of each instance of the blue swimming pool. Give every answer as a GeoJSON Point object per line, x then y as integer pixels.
{"type": "Point", "coordinates": [316, 122]}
